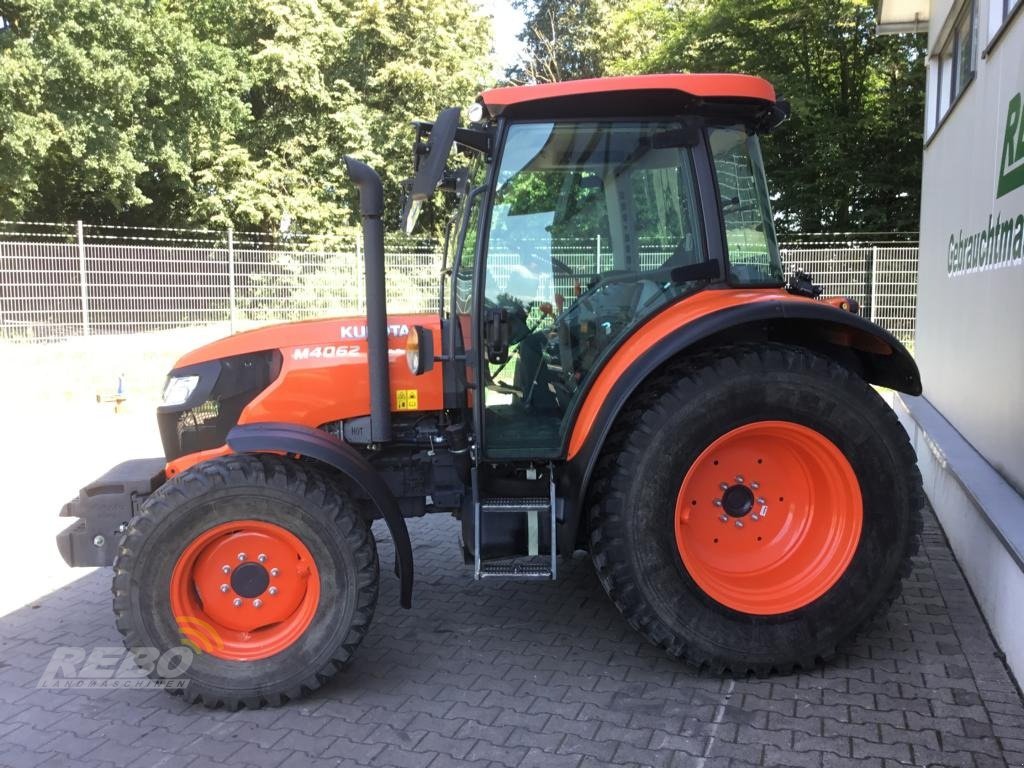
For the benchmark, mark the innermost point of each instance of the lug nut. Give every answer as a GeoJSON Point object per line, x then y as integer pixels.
{"type": "Point", "coordinates": [274, 571]}
{"type": "Point", "coordinates": [261, 557]}
{"type": "Point", "coordinates": [724, 486]}
{"type": "Point", "coordinates": [718, 502]}
{"type": "Point", "coordinates": [225, 569]}
{"type": "Point", "coordinates": [760, 499]}
{"type": "Point", "coordinates": [739, 478]}
{"type": "Point", "coordinates": [224, 588]}
{"type": "Point", "coordinates": [241, 556]}
{"type": "Point", "coordinates": [237, 602]}
{"type": "Point", "coordinates": [272, 591]}
{"type": "Point", "coordinates": [755, 517]}
{"type": "Point", "coordinates": [257, 603]}
{"type": "Point", "coordinates": [739, 523]}
{"type": "Point", "coordinates": [755, 485]}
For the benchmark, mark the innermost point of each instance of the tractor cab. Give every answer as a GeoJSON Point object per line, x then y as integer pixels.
{"type": "Point", "coordinates": [580, 215]}
{"type": "Point", "coordinates": [577, 230]}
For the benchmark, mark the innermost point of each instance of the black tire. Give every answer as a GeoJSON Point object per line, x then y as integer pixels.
{"type": "Point", "coordinates": [295, 496]}
{"type": "Point", "coordinates": [666, 427]}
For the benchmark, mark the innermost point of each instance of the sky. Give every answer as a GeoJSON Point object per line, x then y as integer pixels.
{"type": "Point", "coordinates": [508, 22]}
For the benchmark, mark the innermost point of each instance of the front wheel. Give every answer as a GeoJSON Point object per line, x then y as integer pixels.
{"type": "Point", "coordinates": [760, 506]}
{"type": "Point", "coordinates": [256, 571]}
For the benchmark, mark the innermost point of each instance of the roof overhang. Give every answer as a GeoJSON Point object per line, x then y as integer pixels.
{"type": "Point", "coordinates": [898, 17]}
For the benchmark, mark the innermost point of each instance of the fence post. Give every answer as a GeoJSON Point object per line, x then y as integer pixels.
{"type": "Point", "coordinates": [83, 286]}
{"type": "Point", "coordinates": [360, 272]}
{"type": "Point", "coordinates": [231, 279]}
{"type": "Point", "coordinates": [597, 263]}
{"type": "Point", "coordinates": [874, 283]}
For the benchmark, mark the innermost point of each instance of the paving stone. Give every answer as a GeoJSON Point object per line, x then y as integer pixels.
{"type": "Point", "coordinates": [774, 756]}
{"type": "Point", "coordinates": [260, 757]}
{"type": "Point", "coordinates": [490, 675]}
{"type": "Point", "coordinates": [920, 736]}
{"type": "Point", "coordinates": [404, 758]}
{"type": "Point", "coordinates": [579, 745]}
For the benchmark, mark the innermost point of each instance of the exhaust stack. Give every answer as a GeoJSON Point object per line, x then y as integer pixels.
{"type": "Point", "coordinates": [371, 207]}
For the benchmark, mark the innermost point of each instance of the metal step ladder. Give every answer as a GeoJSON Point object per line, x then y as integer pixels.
{"type": "Point", "coordinates": [532, 565]}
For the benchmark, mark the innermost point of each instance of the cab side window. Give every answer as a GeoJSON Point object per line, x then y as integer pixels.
{"type": "Point", "coordinates": [743, 192]}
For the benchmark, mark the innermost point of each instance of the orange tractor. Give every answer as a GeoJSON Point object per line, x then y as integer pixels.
{"type": "Point", "coordinates": [666, 400]}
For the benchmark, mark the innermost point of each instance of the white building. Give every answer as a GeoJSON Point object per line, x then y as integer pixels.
{"type": "Point", "coordinates": [968, 428]}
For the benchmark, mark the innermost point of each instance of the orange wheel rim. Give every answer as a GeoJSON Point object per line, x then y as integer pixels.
{"type": "Point", "coordinates": [244, 590]}
{"type": "Point", "coordinates": [768, 517]}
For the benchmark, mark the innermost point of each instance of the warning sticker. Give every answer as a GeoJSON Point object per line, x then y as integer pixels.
{"type": "Point", "coordinates": [408, 399]}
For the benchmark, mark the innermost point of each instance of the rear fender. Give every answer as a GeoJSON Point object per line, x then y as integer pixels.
{"type": "Point", "coordinates": [297, 440]}
{"type": "Point", "coordinates": [858, 344]}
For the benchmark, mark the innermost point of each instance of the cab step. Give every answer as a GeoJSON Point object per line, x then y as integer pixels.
{"type": "Point", "coordinates": [514, 570]}
{"type": "Point", "coordinates": [539, 511]}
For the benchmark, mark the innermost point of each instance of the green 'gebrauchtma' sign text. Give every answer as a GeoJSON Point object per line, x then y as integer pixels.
{"type": "Point", "coordinates": [1001, 243]}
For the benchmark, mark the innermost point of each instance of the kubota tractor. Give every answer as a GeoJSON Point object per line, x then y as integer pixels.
{"type": "Point", "coordinates": [665, 400]}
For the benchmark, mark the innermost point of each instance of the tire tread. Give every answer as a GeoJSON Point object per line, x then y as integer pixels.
{"type": "Point", "coordinates": [305, 481]}
{"type": "Point", "coordinates": [641, 418]}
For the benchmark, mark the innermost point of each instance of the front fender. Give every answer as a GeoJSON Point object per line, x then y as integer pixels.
{"type": "Point", "coordinates": [297, 440]}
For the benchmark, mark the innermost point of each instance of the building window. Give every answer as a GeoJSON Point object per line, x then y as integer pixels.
{"type": "Point", "coordinates": [954, 64]}
{"type": "Point", "coordinates": [964, 50]}
{"type": "Point", "coordinates": [998, 12]}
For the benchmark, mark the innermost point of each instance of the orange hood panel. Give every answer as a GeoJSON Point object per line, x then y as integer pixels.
{"type": "Point", "coordinates": [324, 372]}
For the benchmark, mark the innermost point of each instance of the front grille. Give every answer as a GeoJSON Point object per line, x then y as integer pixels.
{"type": "Point", "coordinates": [204, 425]}
{"type": "Point", "coordinates": [199, 428]}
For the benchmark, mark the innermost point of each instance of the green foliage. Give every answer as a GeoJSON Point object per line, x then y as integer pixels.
{"type": "Point", "coordinates": [104, 106]}
{"type": "Point", "coordinates": [236, 112]}
{"type": "Point", "coordinates": [564, 39]}
{"type": "Point", "coordinates": [221, 112]}
{"type": "Point", "coordinates": [849, 159]}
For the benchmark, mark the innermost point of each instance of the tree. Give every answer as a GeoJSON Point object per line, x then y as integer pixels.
{"type": "Point", "coordinates": [104, 108]}
{"type": "Point", "coordinates": [564, 40]}
{"type": "Point", "coordinates": [849, 158]}
{"type": "Point", "coordinates": [221, 112]}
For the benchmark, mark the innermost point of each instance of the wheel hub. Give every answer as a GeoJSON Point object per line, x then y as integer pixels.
{"type": "Point", "coordinates": [737, 501]}
{"type": "Point", "coordinates": [250, 580]}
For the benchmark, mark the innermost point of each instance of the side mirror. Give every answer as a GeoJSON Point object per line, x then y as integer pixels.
{"type": "Point", "coordinates": [430, 153]}
{"type": "Point", "coordinates": [419, 350]}
{"type": "Point", "coordinates": [496, 336]}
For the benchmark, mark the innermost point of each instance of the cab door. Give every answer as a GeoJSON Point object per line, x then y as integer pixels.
{"type": "Point", "coordinates": [588, 222]}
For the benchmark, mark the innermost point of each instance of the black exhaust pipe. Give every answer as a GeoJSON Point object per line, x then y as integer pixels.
{"type": "Point", "coordinates": [371, 207]}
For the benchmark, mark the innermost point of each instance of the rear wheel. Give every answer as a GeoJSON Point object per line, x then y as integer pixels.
{"type": "Point", "coordinates": [760, 505]}
{"type": "Point", "coordinates": [259, 568]}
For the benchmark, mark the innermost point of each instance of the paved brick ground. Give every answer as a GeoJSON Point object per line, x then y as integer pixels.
{"type": "Point", "coordinates": [489, 674]}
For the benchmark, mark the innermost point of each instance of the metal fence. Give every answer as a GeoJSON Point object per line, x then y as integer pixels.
{"type": "Point", "coordinates": [880, 276]}
{"type": "Point", "coordinates": [59, 281]}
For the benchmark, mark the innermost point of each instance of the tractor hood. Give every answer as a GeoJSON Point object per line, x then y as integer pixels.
{"type": "Point", "coordinates": [323, 333]}
{"type": "Point", "coordinates": [318, 374]}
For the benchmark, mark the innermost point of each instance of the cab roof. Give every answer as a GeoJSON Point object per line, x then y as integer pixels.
{"type": "Point", "coordinates": [630, 95]}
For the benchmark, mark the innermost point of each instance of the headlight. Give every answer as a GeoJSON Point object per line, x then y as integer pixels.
{"type": "Point", "coordinates": [179, 389]}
